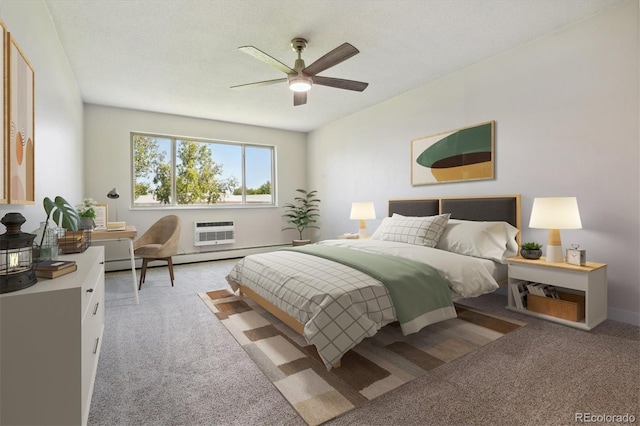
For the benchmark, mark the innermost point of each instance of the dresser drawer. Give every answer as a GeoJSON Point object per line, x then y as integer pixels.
{"type": "Point", "coordinates": [92, 330]}
{"type": "Point", "coordinates": [49, 360]}
{"type": "Point", "coordinates": [94, 277]}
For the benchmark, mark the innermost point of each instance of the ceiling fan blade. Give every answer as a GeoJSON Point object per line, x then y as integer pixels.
{"type": "Point", "coordinates": [337, 55]}
{"type": "Point", "coordinates": [299, 98]}
{"type": "Point", "coordinates": [340, 83]}
{"type": "Point", "coordinates": [259, 83]}
{"type": "Point", "coordinates": [269, 60]}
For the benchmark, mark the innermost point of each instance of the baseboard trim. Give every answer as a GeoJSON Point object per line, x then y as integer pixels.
{"type": "Point", "coordinates": [112, 265]}
{"type": "Point", "coordinates": [628, 317]}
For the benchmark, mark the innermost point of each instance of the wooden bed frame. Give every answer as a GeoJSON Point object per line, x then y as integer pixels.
{"type": "Point", "coordinates": [481, 208]}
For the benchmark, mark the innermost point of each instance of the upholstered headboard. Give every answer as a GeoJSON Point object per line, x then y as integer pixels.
{"type": "Point", "coordinates": [483, 208]}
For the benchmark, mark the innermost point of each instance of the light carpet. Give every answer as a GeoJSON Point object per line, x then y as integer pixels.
{"type": "Point", "coordinates": [376, 366]}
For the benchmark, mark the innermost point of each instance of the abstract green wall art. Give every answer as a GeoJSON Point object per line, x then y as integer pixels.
{"type": "Point", "coordinates": [453, 156]}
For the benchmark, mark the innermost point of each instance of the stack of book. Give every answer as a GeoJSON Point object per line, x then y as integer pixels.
{"type": "Point", "coordinates": [116, 226]}
{"type": "Point", "coordinates": [74, 241]}
{"type": "Point", "coordinates": [55, 268]}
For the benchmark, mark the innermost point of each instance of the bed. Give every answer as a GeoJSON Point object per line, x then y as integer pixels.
{"type": "Point", "coordinates": [425, 253]}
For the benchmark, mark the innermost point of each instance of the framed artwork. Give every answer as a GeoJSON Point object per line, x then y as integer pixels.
{"type": "Point", "coordinates": [101, 216]}
{"type": "Point", "coordinates": [4, 156]}
{"type": "Point", "coordinates": [457, 155]}
{"type": "Point", "coordinates": [21, 105]}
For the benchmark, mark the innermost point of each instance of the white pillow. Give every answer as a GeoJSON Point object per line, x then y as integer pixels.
{"type": "Point", "coordinates": [488, 240]}
{"type": "Point", "coordinates": [377, 234]}
{"type": "Point", "coordinates": [422, 231]}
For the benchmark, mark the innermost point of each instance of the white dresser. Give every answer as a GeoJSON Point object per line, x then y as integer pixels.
{"type": "Point", "coordinates": [50, 337]}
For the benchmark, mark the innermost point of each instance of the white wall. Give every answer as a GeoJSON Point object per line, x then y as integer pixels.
{"type": "Point", "coordinates": [566, 112]}
{"type": "Point", "coordinates": [108, 164]}
{"type": "Point", "coordinates": [58, 109]}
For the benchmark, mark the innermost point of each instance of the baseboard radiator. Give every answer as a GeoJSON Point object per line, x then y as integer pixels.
{"type": "Point", "coordinates": [207, 233]}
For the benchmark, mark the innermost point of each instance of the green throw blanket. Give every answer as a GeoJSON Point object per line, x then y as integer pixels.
{"type": "Point", "coordinates": [419, 293]}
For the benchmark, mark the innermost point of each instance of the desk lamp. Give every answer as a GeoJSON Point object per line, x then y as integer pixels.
{"type": "Point", "coordinates": [362, 212]}
{"type": "Point", "coordinates": [554, 214]}
{"type": "Point", "coordinates": [114, 195]}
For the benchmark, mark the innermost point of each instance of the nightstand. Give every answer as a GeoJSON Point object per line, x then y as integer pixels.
{"type": "Point", "coordinates": [353, 236]}
{"type": "Point", "coordinates": [588, 281]}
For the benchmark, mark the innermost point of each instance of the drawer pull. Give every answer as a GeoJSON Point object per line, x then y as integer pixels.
{"type": "Point", "coordinates": [95, 349]}
{"type": "Point", "coordinates": [90, 290]}
{"type": "Point", "coordinates": [102, 263]}
{"type": "Point", "coordinates": [96, 308]}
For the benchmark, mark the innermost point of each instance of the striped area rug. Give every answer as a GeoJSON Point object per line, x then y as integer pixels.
{"type": "Point", "coordinates": [377, 365]}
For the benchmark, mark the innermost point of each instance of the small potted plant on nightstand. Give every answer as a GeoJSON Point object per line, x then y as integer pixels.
{"type": "Point", "coordinates": [302, 214]}
{"type": "Point", "coordinates": [531, 250]}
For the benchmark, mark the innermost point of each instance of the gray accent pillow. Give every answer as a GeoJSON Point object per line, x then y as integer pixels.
{"type": "Point", "coordinates": [422, 231]}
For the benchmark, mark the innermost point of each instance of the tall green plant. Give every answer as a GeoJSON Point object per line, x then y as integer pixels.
{"type": "Point", "coordinates": [302, 213]}
{"type": "Point", "coordinates": [62, 213]}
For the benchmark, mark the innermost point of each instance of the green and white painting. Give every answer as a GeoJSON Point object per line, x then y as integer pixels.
{"type": "Point", "coordinates": [453, 156]}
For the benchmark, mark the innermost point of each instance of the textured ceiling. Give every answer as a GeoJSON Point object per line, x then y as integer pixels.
{"type": "Point", "coordinates": [181, 57]}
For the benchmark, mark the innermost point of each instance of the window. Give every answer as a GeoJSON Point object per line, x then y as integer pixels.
{"type": "Point", "coordinates": [170, 171]}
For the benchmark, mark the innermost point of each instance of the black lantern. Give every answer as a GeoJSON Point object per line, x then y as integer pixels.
{"type": "Point", "coordinates": [17, 269]}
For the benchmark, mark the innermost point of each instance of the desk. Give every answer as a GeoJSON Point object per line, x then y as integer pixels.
{"type": "Point", "coordinates": [129, 234]}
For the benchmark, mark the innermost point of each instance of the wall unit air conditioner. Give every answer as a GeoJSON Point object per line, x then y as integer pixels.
{"type": "Point", "coordinates": [207, 233]}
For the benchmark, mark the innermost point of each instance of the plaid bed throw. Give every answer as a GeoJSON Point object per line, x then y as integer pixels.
{"type": "Point", "coordinates": [421, 296]}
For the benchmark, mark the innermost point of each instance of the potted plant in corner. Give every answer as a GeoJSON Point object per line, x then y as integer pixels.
{"type": "Point", "coordinates": [302, 214]}
{"type": "Point", "coordinates": [531, 250]}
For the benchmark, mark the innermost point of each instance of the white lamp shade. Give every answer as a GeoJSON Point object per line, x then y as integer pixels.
{"type": "Point", "coordinates": [555, 213]}
{"type": "Point", "coordinates": [362, 211]}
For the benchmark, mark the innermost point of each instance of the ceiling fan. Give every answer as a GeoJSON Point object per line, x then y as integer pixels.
{"type": "Point", "coordinates": [301, 78]}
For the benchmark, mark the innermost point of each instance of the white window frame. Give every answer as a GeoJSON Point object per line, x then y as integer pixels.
{"type": "Point", "coordinates": [173, 164]}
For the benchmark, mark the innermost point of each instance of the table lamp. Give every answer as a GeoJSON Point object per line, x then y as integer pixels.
{"type": "Point", "coordinates": [362, 212]}
{"type": "Point", "coordinates": [17, 268]}
{"type": "Point", "coordinates": [554, 214]}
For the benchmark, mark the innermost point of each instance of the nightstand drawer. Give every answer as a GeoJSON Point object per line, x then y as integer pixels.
{"type": "Point", "coordinates": [565, 278]}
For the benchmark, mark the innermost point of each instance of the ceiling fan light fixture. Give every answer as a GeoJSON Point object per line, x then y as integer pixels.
{"type": "Point", "coordinates": [301, 77]}
{"type": "Point", "coordinates": [300, 83]}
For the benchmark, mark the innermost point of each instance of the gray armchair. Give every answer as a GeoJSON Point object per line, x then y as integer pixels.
{"type": "Point", "coordinates": [160, 242]}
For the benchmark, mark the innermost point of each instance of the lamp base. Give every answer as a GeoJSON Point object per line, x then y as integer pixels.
{"type": "Point", "coordinates": [362, 232]}
{"type": "Point", "coordinates": [17, 282]}
{"type": "Point", "coordinates": [554, 254]}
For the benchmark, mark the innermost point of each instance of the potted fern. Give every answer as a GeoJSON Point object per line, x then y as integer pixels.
{"type": "Point", "coordinates": [302, 214]}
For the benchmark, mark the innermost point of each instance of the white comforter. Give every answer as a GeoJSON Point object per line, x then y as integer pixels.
{"type": "Point", "coordinates": [341, 306]}
{"type": "Point", "coordinates": [467, 276]}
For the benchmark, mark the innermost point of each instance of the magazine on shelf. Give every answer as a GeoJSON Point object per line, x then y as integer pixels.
{"type": "Point", "coordinates": [520, 292]}
{"type": "Point", "coordinates": [543, 290]}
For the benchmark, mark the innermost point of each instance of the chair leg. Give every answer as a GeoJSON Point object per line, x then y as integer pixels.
{"type": "Point", "coordinates": [143, 272]}
{"type": "Point", "coordinates": [170, 262]}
